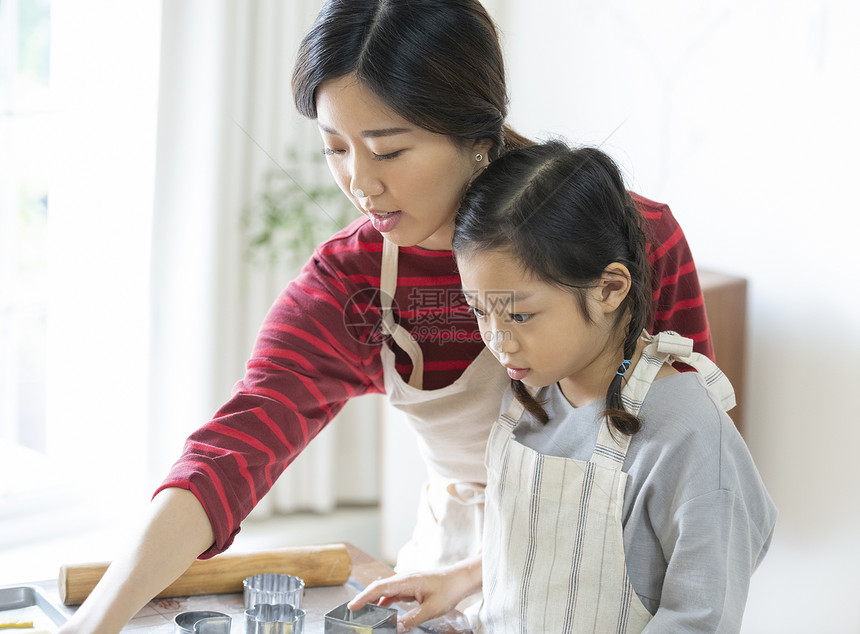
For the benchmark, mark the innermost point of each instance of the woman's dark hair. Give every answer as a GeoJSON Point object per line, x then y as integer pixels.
{"type": "Point", "coordinates": [564, 214]}
{"type": "Point", "coordinates": [436, 63]}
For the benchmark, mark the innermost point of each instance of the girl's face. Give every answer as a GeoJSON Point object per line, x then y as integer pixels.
{"type": "Point", "coordinates": [407, 180]}
{"type": "Point", "coordinates": [538, 331]}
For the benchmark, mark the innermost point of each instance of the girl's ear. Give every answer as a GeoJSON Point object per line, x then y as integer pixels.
{"type": "Point", "coordinates": [613, 286]}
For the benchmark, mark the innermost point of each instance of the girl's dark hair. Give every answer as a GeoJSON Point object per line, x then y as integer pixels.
{"type": "Point", "coordinates": [436, 63]}
{"type": "Point", "coordinates": [565, 214]}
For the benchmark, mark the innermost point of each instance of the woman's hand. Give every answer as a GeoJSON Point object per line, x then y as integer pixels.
{"type": "Point", "coordinates": [437, 592]}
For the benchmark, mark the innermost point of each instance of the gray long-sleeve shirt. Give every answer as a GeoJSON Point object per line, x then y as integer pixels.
{"type": "Point", "coordinates": [697, 518]}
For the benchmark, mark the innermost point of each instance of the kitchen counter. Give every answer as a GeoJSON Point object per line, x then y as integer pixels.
{"type": "Point", "coordinates": [157, 616]}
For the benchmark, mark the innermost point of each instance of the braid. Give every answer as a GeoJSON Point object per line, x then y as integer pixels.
{"type": "Point", "coordinates": [618, 417]}
{"type": "Point", "coordinates": [639, 310]}
{"type": "Point", "coordinates": [529, 402]}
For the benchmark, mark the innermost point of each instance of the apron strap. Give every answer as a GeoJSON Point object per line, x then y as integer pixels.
{"type": "Point", "coordinates": [611, 447]}
{"type": "Point", "coordinates": [510, 418]}
{"type": "Point", "coordinates": [653, 357]}
{"type": "Point", "coordinates": [664, 347]}
{"type": "Point", "coordinates": [401, 336]}
{"type": "Point", "coordinates": [678, 348]}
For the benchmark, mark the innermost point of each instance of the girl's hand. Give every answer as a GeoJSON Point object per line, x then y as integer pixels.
{"type": "Point", "coordinates": [437, 592]}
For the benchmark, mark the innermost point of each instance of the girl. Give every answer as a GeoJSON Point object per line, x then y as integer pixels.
{"type": "Point", "coordinates": [620, 496]}
{"type": "Point", "coordinates": [410, 101]}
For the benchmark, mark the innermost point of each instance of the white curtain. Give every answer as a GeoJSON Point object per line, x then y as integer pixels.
{"type": "Point", "coordinates": [84, 143]}
{"type": "Point", "coordinates": [226, 117]}
{"type": "Point", "coordinates": [99, 156]}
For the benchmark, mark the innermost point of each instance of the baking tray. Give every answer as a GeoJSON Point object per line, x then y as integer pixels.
{"type": "Point", "coordinates": [27, 603]}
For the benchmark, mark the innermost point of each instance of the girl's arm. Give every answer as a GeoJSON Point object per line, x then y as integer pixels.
{"type": "Point", "coordinates": [437, 592]}
{"type": "Point", "coordinates": [176, 532]}
{"type": "Point", "coordinates": [718, 543]}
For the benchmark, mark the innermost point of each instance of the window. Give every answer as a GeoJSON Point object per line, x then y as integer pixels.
{"type": "Point", "coordinates": [24, 100]}
{"type": "Point", "coordinates": [78, 100]}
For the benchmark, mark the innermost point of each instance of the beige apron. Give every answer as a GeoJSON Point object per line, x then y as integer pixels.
{"type": "Point", "coordinates": [553, 545]}
{"type": "Point", "coordinates": [452, 425]}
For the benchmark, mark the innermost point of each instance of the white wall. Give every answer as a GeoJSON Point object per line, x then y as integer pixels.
{"type": "Point", "coordinates": [743, 117]}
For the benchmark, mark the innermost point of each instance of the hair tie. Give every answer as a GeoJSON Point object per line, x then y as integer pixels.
{"type": "Point", "coordinates": [622, 369]}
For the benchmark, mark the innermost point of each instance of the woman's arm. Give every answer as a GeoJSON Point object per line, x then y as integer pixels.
{"type": "Point", "coordinates": [437, 592]}
{"type": "Point", "coordinates": [304, 367]}
{"type": "Point", "coordinates": [176, 532]}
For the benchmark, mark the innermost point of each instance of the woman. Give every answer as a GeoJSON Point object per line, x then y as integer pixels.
{"type": "Point", "coordinates": [410, 100]}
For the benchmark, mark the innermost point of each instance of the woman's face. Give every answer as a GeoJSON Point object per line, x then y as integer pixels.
{"type": "Point", "coordinates": [407, 180]}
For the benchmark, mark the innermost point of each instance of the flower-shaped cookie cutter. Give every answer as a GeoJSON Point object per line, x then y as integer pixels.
{"type": "Point", "coordinates": [273, 589]}
{"type": "Point", "coordinates": [278, 618]}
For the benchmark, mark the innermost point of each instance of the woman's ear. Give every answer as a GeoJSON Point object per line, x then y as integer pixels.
{"type": "Point", "coordinates": [482, 147]}
{"type": "Point", "coordinates": [480, 157]}
{"type": "Point", "coordinates": [613, 286]}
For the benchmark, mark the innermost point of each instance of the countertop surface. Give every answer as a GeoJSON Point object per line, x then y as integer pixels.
{"type": "Point", "coordinates": [157, 616]}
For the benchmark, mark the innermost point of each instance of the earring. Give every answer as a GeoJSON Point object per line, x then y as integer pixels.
{"type": "Point", "coordinates": [479, 157]}
{"type": "Point", "coordinates": [358, 192]}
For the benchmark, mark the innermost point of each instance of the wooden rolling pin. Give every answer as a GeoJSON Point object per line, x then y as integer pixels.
{"type": "Point", "coordinates": [327, 565]}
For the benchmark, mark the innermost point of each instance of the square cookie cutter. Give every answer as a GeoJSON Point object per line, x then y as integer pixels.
{"type": "Point", "coordinates": [369, 618]}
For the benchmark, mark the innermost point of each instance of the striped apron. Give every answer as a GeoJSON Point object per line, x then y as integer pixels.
{"type": "Point", "coordinates": [553, 544]}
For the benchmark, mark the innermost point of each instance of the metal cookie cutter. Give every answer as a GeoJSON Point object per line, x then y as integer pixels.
{"type": "Point", "coordinates": [279, 618]}
{"type": "Point", "coordinates": [273, 589]}
{"type": "Point", "coordinates": [370, 618]}
{"type": "Point", "coordinates": [202, 622]}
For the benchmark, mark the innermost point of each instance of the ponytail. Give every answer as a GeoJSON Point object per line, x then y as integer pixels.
{"type": "Point", "coordinates": [513, 140]}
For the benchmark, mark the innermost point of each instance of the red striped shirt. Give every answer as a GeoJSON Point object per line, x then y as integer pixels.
{"type": "Point", "coordinates": [319, 347]}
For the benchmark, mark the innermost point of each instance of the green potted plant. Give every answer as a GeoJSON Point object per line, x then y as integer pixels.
{"type": "Point", "coordinates": [299, 207]}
